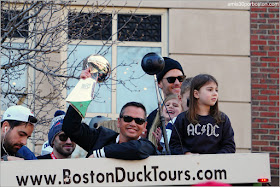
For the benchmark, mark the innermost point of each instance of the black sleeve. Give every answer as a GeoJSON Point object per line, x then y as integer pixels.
{"type": "Point", "coordinates": [177, 145]}
{"type": "Point", "coordinates": [132, 150]}
{"type": "Point", "coordinates": [78, 132]}
{"type": "Point", "coordinates": [227, 145]}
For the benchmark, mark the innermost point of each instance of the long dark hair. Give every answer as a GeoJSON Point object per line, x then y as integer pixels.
{"type": "Point", "coordinates": [196, 83]}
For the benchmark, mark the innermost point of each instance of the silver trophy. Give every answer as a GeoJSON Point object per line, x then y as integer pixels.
{"type": "Point", "coordinates": [83, 93]}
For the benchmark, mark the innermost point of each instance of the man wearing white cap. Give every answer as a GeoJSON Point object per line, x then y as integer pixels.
{"type": "Point", "coordinates": [17, 125]}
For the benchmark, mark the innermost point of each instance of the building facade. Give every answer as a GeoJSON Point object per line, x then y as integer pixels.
{"type": "Point", "coordinates": [236, 42]}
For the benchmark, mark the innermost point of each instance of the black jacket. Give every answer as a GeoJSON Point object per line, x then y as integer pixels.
{"type": "Point", "coordinates": [103, 139]}
{"type": "Point", "coordinates": [47, 156]}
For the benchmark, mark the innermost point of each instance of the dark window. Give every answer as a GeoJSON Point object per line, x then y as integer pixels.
{"type": "Point", "coordinates": [139, 28]}
{"type": "Point", "coordinates": [89, 26]}
{"type": "Point", "coordinates": [14, 24]}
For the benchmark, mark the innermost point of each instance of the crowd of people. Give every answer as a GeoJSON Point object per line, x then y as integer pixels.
{"type": "Point", "coordinates": [190, 113]}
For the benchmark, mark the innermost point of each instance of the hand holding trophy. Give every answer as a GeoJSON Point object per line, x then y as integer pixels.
{"type": "Point", "coordinates": [83, 93]}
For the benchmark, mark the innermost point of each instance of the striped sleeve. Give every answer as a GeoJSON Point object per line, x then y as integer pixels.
{"type": "Point", "coordinates": [99, 153]}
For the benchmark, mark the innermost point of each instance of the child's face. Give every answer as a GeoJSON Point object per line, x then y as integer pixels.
{"type": "Point", "coordinates": [185, 98]}
{"type": "Point", "coordinates": [207, 94]}
{"type": "Point", "coordinates": [174, 108]}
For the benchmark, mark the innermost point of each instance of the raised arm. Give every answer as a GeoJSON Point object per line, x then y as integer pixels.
{"type": "Point", "coordinates": [78, 132]}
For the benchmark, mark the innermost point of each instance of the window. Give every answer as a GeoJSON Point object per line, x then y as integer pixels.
{"type": "Point", "coordinates": [135, 84]}
{"type": "Point", "coordinates": [14, 78]}
{"type": "Point", "coordinates": [7, 20]}
{"type": "Point", "coordinates": [88, 26]}
{"type": "Point", "coordinates": [139, 27]}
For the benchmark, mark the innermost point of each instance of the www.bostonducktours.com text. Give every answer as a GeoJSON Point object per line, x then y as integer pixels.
{"type": "Point", "coordinates": [152, 174]}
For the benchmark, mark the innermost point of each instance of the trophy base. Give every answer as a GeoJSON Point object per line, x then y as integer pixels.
{"type": "Point", "coordinates": [80, 107]}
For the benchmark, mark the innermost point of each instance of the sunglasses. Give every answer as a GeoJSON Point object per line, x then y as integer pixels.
{"type": "Point", "coordinates": [173, 79]}
{"type": "Point", "coordinates": [139, 121]}
{"type": "Point", "coordinates": [63, 137]}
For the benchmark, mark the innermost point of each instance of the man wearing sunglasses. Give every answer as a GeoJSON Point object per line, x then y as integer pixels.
{"type": "Point", "coordinates": [62, 145]}
{"type": "Point", "coordinates": [103, 142]}
{"type": "Point", "coordinates": [169, 80]}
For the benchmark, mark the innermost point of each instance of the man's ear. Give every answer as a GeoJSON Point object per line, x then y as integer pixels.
{"type": "Point", "coordinates": [145, 124]}
{"type": "Point", "coordinates": [196, 94]}
{"type": "Point", "coordinates": [119, 121]}
{"type": "Point", "coordinates": [5, 127]}
{"type": "Point", "coordinates": [160, 84]}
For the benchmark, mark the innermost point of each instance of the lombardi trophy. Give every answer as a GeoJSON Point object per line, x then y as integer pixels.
{"type": "Point", "coordinates": [83, 93]}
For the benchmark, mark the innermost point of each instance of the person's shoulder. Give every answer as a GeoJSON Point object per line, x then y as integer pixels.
{"type": "Point", "coordinates": [153, 113]}
{"type": "Point", "coordinates": [150, 119]}
{"type": "Point", "coordinates": [223, 116]}
{"type": "Point", "coordinates": [107, 131]}
{"type": "Point", "coordinates": [145, 142]}
{"type": "Point", "coordinates": [182, 115]}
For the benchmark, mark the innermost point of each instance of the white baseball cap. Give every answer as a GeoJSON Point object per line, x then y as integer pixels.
{"type": "Point", "coordinates": [19, 113]}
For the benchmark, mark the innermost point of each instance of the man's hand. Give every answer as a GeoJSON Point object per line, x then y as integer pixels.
{"type": "Point", "coordinates": [13, 158]}
{"type": "Point", "coordinates": [189, 153]}
{"type": "Point", "coordinates": [85, 74]}
{"type": "Point", "coordinates": [91, 156]}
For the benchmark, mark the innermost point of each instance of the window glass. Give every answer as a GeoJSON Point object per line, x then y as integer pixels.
{"type": "Point", "coordinates": [102, 100]}
{"type": "Point", "coordinates": [14, 78]}
{"type": "Point", "coordinates": [7, 17]}
{"type": "Point", "coordinates": [133, 83]}
{"type": "Point", "coordinates": [139, 28]}
{"type": "Point", "coordinates": [89, 26]}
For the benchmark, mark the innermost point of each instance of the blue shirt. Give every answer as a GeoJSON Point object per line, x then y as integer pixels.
{"type": "Point", "coordinates": [26, 153]}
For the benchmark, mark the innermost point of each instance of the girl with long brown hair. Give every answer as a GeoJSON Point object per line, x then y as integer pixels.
{"type": "Point", "coordinates": [203, 129]}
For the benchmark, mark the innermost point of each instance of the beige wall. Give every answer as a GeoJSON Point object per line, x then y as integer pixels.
{"type": "Point", "coordinates": [211, 37]}
{"type": "Point", "coordinates": [214, 32]}
{"type": "Point", "coordinates": [217, 42]}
